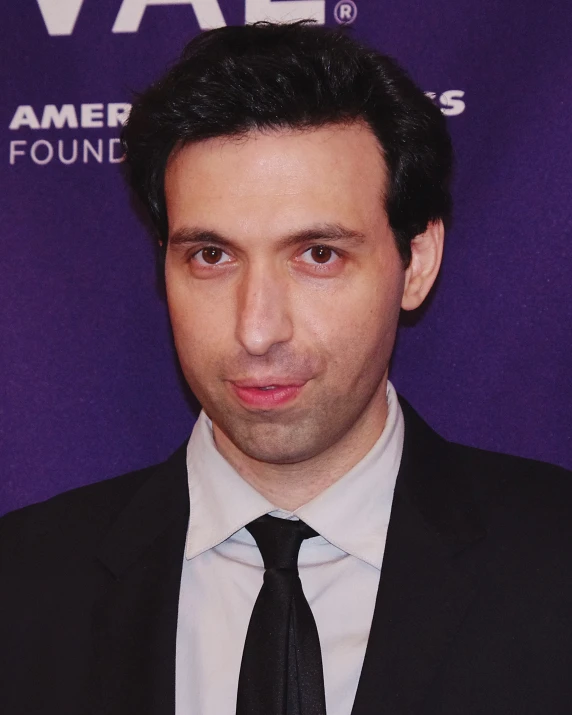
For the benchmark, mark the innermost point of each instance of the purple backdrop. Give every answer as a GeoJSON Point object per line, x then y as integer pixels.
{"type": "Point", "coordinates": [91, 387]}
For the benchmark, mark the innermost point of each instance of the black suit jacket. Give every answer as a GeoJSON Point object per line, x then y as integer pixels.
{"type": "Point", "coordinates": [473, 614]}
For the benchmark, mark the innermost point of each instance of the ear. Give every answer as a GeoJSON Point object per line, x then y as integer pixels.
{"type": "Point", "coordinates": [426, 255]}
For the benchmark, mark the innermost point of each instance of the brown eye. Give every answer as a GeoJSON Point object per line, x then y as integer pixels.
{"type": "Point", "coordinates": [321, 254]}
{"type": "Point", "coordinates": [211, 255]}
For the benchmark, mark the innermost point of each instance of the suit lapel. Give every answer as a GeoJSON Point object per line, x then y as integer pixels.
{"type": "Point", "coordinates": [135, 619]}
{"type": "Point", "coordinates": [428, 574]}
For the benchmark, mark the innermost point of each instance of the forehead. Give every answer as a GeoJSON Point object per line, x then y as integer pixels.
{"type": "Point", "coordinates": [276, 177]}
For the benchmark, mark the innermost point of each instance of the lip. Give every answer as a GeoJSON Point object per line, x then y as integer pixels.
{"type": "Point", "coordinates": [251, 393]}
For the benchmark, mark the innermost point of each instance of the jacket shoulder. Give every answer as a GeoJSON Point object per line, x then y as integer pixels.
{"type": "Point", "coordinates": [511, 494]}
{"type": "Point", "coordinates": [526, 500]}
{"type": "Point", "coordinates": [510, 471]}
{"type": "Point", "coordinates": [82, 513]}
{"type": "Point", "coordinates": [486, 470]}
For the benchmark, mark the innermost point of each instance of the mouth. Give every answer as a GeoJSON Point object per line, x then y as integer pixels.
{"type": "Point", "coordinates": [266, 396]}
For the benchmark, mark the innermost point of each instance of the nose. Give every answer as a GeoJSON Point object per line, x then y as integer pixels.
{"type": "Point", "coordinates": [264, 316]}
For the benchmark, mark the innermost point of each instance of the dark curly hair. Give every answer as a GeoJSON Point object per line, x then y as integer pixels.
{"type": "Point", "coordinates": [236, 79]}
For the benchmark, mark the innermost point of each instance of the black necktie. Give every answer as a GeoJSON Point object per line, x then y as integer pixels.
{"type": "Point", "coordinates": [281, 670]}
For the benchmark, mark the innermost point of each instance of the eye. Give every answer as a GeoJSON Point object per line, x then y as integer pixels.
{"type": "Point", "coordinates": [319, 254]}
{"type": "Point", "coordinates": [211, 256]}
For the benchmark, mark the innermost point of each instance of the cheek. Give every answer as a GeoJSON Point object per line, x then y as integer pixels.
{"type": "Point", "coordinates": [200, 324]}
{"type": "Point", "coordinates": [358, 319]}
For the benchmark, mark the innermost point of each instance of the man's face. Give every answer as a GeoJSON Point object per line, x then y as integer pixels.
{"type": "Point", "coordinates": [284, 286]}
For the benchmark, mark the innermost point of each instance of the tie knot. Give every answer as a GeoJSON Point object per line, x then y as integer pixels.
{"type": "Point", "coordinates": [279, 540]}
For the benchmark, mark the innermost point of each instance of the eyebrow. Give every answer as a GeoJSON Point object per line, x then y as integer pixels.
{"type": "Point", "coordinates": [330, 232]}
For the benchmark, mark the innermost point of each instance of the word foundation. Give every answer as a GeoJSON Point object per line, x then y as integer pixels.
{"type": "Point", "coordinates": [66, 151]}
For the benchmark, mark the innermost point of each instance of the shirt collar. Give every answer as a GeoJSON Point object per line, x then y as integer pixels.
{"type": "Point", "coordinates": [352, 514]}
{"type": "Point", "coordinates": [221, 501]}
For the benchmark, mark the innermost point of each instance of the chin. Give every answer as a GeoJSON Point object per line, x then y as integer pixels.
{"type": "Point", "coordinates": [278, 456]}
{"type": "Point", "coordinates": [276, 443]}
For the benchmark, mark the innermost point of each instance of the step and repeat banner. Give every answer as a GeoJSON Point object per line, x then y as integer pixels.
{"type": "Point", "coordinates": [90, 383]}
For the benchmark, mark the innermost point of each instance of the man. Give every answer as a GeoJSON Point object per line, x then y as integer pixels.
{"type": "Point", "coordinates": [316, 546]}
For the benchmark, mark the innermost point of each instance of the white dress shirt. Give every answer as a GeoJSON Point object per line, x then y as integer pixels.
{"type": "Point", "coordinates": [223, 570]}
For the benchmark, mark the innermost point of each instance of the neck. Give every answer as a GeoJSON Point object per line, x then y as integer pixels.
{"type": "Point", "coordinates": [289, 486]}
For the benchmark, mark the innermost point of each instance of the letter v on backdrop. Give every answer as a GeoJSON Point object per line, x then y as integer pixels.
{"type": "Point", "coordinates": [60, 16]}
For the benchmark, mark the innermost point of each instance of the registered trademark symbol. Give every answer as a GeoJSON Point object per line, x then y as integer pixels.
{"type": "Point", "coordinates": [345, 12]}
